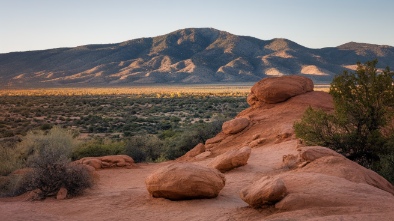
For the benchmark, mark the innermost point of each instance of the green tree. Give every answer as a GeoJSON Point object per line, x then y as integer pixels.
{"type": "Point", "coordinates": [363, 109]}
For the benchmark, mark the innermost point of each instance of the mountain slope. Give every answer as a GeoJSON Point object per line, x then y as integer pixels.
{"type": "Point", "coordinates": [195, 55]}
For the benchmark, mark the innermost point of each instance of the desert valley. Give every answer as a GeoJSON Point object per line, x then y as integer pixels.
{"type": "Point", "coordinates": [198, 124]}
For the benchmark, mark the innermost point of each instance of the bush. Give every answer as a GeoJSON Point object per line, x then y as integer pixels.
{"type": "Point", "coordinates": [48, 156]}
{"type": "Point", "coordinates": [9, 160]}
{"type": "Point", "coordinates": [363, 103]}
{"type": "Point", "coordinates": [98, 148]}
{"type": "Point", "coordinates": [144, 148]}
{"type": "Point", "coordinates": [181, 143]}
{"type": "Point", "coordinates": [49, 179]}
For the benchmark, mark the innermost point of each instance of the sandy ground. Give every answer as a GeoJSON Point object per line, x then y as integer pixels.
{"type": "Point", "coordinates": [120, 194]}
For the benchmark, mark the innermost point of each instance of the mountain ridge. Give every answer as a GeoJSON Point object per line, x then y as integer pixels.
{"type": "Point", "coordinates": [186, 56]}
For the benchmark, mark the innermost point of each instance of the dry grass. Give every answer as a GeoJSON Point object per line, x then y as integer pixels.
{"type": "Point", "coordinates": [154, 91]}
{"type": "Point", "coordinates": [240, 90]}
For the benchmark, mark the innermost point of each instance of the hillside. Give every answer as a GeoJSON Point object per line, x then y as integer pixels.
{"type": "Point", "coordinates": [188, 56]}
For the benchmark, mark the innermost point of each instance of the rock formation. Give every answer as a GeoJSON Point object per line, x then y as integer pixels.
{"type": "Point", "coordinates": [266, 191]}
{"type": "Point", "coordinates": [180, 181]}
{"type": "Point", "coordinates": [231, 159]}
{"type": "Point", "coordinates": [235, 126]}
{"type": "Point", "coordinates": [278, 89]}
{"type": "Point", "coordinates": [107, 161]}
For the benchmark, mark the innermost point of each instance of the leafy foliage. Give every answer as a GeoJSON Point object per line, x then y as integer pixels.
{"type": "Point", "coordinates": [364, 102]}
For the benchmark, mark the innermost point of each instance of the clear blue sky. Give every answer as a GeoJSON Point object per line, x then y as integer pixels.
{"type": "Point", "coordinates": [42, 24]}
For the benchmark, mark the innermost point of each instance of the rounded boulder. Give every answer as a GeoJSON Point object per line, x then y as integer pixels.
{"type": "Point", "coordinates": [184, 181]}
{"type": "Point", "coordinates": [278, 89]}
{"type": "Point", "coordinates": [266, 191]}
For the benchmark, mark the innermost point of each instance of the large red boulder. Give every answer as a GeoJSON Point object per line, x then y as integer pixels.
{"type": "Point", "coordinates": [278, 89]}
{"type": "Point", "coordinates": [180, 181]}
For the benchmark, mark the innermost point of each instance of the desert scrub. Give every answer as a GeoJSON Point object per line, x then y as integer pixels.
{"type": "Point", "coordinates": [47, 155]}
{"type": "Point", "coordinates": [361, 125]}
{"type": "Point", "coordinates": [98, 148]}
{"type": "Point", "coordinates": [9, 159]}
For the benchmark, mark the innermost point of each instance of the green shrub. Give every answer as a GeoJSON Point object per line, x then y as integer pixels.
{"type": "Point", "coordinates": [386, 167]}
{"type": "Point", "coordinates": [13, 185]}
{"type": "Point", "coordinates": [49, 179]}
{"type": "Point", "coordinates": [48, 156]}
{"type": "Point", "coordinates": [144, 147]}
{"type": "Point", "coordinates": [181, 143]}
{"type": "Point", "coordinates": [9, 160]}
{"type": "Point", "coordinates": [98, 148]}
{"type": "Point", "coordinates": [363, 102]}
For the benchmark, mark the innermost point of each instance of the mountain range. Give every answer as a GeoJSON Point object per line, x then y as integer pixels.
{"type": "Point", "coordinates": [187, 56]}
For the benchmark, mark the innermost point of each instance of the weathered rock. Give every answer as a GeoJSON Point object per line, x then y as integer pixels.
{"type": "Point", "coordinates": [266, 191]}
{"type": "Point", "coordinates": [231, 159]}
{"type": "Point", "coordinates": [257, 142]}
{"type": "Point", "coordinates": [203, 155]}
{"type": "Point", "coordinates": [342, 167]}
{"type": "Point", "coordinates": [107, 161]}
{"type": "Point", "coordinates": [180, 181]}
{"type": "Point", "coordinates": [278, 89]}
{"type": "Point", "coordinates": [34, 195]}
{"type": "Point", "coordinates": [61, 194]}
{"type": "Point", "coordinates": [312, 153]}
{"type": "Point", "coordinates": [199, 148]}
{"type": "Point", "coordinates": [310, 190]}
{"type": "Point", "coordinates": [92, 162]}
{"type": "Point", "coordinates": [290, 161]}
{"type": "Point", "coordinates": [235, 126]}
{"type": "Point", "coordinates": [117, 160]}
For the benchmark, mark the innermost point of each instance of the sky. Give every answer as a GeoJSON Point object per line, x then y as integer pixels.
{"type": "Point", "coordinates": [43, 24]}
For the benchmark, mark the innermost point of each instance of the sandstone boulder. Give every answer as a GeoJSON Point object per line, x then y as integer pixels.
{"type": "Point", "coordinates": [231, 159]}
{"type": "Point", "coordinates": [235, 126]}
{"type": "Point", "coordinates": [116, 161]}
{"type": "Point", "coordinates": [312, 153]}
{"type": "Point", "coordinates": [107, 161]}
{"type": "Point", "coordinates": [91, 161]}
{"type": "Point", "coordinates": [278, 89]}
{"type": "Point", "coordinates": [180, 181]}
{"type": "Point", "coordinates": [266, 191]}
{"type": "Point", "coordinates": [342, 167]}
{"type": "Point", "coordinates": [199, 148]}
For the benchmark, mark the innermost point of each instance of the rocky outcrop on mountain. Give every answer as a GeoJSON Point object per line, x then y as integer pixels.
{"type": "Point", "coordinates": [180, 181]}
{"type": "Point", "coordinates": [191, 56]}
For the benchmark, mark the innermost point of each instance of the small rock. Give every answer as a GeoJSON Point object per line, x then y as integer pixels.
{"type": "Point", "coordinates": [266, 191]}
{"type": "Point", "coordinates": [235, 126]}
{"type": "Point", "coordinates": [61, 194]}
{"type": "Point", "coordinates": [231, 159]}
{"type": "Point", "coordinates": [257, 142]}
{"type": "Point", "coordinates": [199, 148]}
